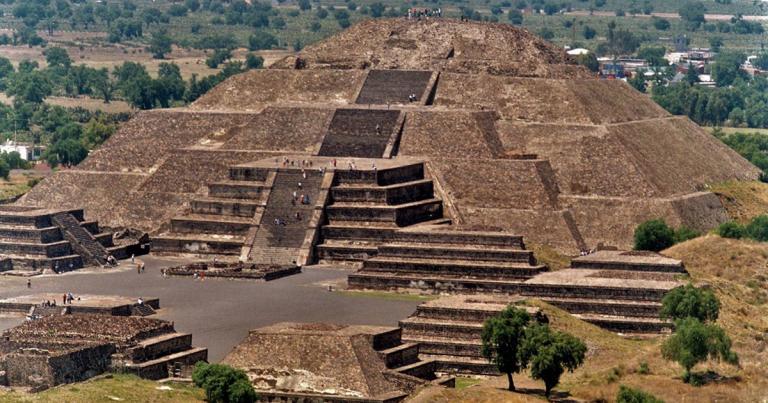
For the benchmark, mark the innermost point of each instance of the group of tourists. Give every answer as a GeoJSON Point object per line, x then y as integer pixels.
{"type": "Point", "coordinates": [68, 298]}
{"type": "Point", "coordinates": [419, 13]}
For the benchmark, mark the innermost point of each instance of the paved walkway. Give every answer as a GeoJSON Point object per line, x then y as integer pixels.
{"type": "Point", "coordinates": [220, 312]}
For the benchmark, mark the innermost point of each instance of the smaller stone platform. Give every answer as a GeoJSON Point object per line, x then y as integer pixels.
{"type": "Point", "coordinates": [618, 290]}
{"type": "Point", "coordinates": [448, 330]}
{"type": "Point", "coordinates": [329, 362]}
{"type": "Point", "coordinates": [97, 304]}
{"type": "Point", "coordinates": [250, 271]}
{"type": "Point", "coordinates": [55, 350]}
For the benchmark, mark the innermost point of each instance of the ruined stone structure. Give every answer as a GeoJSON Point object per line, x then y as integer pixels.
{"type": "Point", "coordinates": [61, 349]}
{"type": "Point", "coordinates": [332, 363]}
{"type": "Point", "coordinates": [511, 133]}
{"type": "Point", "coordinates": [617, 290]}
{"type": "Point", "coordinates": [115, 305]}
{"type": "Point", "coordinates": [33, 240]}
{"type": "Point", "coordinates": [448, 330]}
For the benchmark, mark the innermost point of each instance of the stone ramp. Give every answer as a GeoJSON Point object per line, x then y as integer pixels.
{"type": "Point", "coordinates": [280, 243]}
{"type": "Point", "coordinates": [84, 243]}
{"type": "Point", "coordinates": [393, 86]}
{"type": "Point", "coordinates": [362, 133]}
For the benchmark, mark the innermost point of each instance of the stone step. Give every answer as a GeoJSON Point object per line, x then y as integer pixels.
{"type": "Point", "coordinates": [432, 283]}
{"type": "Point", "coordinates": [236, 190]}
{"type": "Point", "coordinates": [430, 344]}
{"type": "Point", "coordinates": [424, 369]}
{"type": "Point", "coordinates": [211, 224]}
{"type": "Point", "coordinates": [629, 325]}
{"type": "Point", "coordinates": [398, 193]}
{"type": "Point", "coordinates": [30, 234]}
{"type": "Point", "coordinates": [417, 326]}
{"type": "Point", "coordinates": [160, 346]}
{"type": "Point", "coordinates": [477, 268]}
{"type": "Point", "coordinates": [461, 365]}
{"type": "Point", "coordinates": [198, 243]}
{"type": "Point", "coordinates": [584, 263]}
{"type": "Point", "coordinates": [646, 309]}
{"type": "Point", "coordinates": [401, 214]}
{"type": "Point", "coordinates": [596, 292]}
{"type": "Point", "coordinates": [22, 247]}
{"type": "Point", "coordinates": [458, 237]}
{"type": "Point", "coordinates": [59, 264]}
{"type": "Point", "coordinates": [158, 368]}
{"type": "Point", "coordinates": [398, 356]}
{"type": "Point", "coordinates": [351, 252]}
{"type": "Point", "coordinates": [460, 313]}
{"type": "Point", "coordinates": [221, 206]}
{"type": "Point", "coordinates": [393, 86]}
{"type": "Point", "coordinates": [461, 251]}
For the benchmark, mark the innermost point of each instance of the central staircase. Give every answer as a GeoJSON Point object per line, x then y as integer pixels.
{"type": "Point", "coordinates": [278, 243]}
{"type": "Point", "coordinates": [393, 86]}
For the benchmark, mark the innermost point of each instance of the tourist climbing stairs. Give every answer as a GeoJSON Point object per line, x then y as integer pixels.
{"type": "Point", "coordinates": [362, 133]}
{"type": "Point", "coordinates": [286, 219]}
{"type": "Point", "coordinates": [83, 241]}
{"type": "Point", "coordinates": [394, 87]}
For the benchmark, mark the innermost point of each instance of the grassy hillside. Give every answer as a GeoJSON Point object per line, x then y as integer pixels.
{"type": "Point", "coordinates": [119, 388]}
{"type": "Point", "coordinates": [737, 272]}
{"type": "Point", "coordinates": [743, 200]}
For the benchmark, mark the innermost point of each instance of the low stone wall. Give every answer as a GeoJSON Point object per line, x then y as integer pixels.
{"type": "Point", "coordinates": [520, 256]}
{"type": "Point", "coordinates": [183, 225]}
{"type": "Point", "coordinates": [183, 245]}
{"type": "Point", "coordinates": [175, 343]}
{"type": "Point", "coordinates": [237, 270]}
{"type": "Point", "coordinates": [42, 235]}
{"type": "Point", "coordinates": [592, 292]}
{"type": "Point", "coordinates": [597, 265]}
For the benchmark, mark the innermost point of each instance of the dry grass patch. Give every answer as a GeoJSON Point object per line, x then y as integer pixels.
{"type": "Point", "coordinates": [743, 200]}
{"type": "Point", "coordinates": [549, 256]}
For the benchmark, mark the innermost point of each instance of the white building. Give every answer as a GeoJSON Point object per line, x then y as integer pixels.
{"type": "Point", "coordinates": [23, 150]}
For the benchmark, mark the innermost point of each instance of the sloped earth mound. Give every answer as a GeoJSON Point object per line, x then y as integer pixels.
{"type": "Point", "coordinates": [737, 272]}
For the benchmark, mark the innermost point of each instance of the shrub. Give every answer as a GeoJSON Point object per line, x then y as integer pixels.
{"type": "Point", "coordinates": [683, 234]}
{"type": "Point", "coordinates": [688, 301]}
{"type": "Point", "coordinates": [757, 229]}
{"type": "Point", "coordinates": [654, 235]}
{"type": "Point", "coordinates": [630, 395]}
{"type": "Point", "coordinates": [731, 229]}
{"type": "Point", "coordinates": [643, 369]}
{"type": "Point", "coordinates": [694, 342]}
{"type": "Point", "coordinates": [223, 384]}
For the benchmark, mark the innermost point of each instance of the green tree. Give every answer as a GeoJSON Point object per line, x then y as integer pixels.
{"type": "Point", "coordinates": [103, 83]}
{"type": "Point", "coordinates": [219, 56]}
{"type": "Point", "coordinates": [304, 5]}
{"type": "Point", "coordinates": [660, 23]}
{"type": "Point", "coordinates": [502, 338]}
{"type": "Point", "coordinates": [684, 233]}
{"type": "Point", "coordinates": [135, 84]}
{"type": "Point", "coordinates": [68, 152]}
{"type": "Point", "coordinates": [727, 68]}
{"type": "Point", "coordinates": [6, 70]}
{"type": "Point", "coordinates": [515, 17]}
{"type": "Point", "coordinates": [5, 170]}
{"type": "Point", "coordinates": [757, 229]}
{"type": "Point", "coordinates": [654, 235]}
{"type": "Point", "coordinates": [653, 54]}
{"type": "Point", "coordinates": [694, 342]}
{"type": "Point", "coordinates": [637, 81]}
{"type": "Point", "coordinates": [588, 60]}
{"type": "Point", "coordinates": [261, 40]}
{"type": "Point", "coordinates": [160, 44]}
{"type": "Point", "coordinates": [731, 229]}
{"type": "Point", "coordinates": [692, 12]}
{"type": "Point", "coordinates": [630, 395]}
{"type": "Point", "coordinates": [253, 61]}
{"type": "Point", "coordinates": [689, 301]}
{"type": "Point", "coordinates": [550, 354]}
{"type": "Point", "coordinates": [223, 384]}
{"type": "Point", "coordinates": [57, 57]}
{"type": "Point", "coordinates": [31, 87]}
{"type": "Point", "coordinates": [691, 75]}
{"type": "Point", "coordinates": [97, 131]}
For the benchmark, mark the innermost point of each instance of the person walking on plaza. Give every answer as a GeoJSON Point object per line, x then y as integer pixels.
{"type": "Point", "coordinates": [29, 283]}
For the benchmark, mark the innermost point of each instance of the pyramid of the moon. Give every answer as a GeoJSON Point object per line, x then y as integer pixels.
{"type": "Point", "coordinates": [514, 135]}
